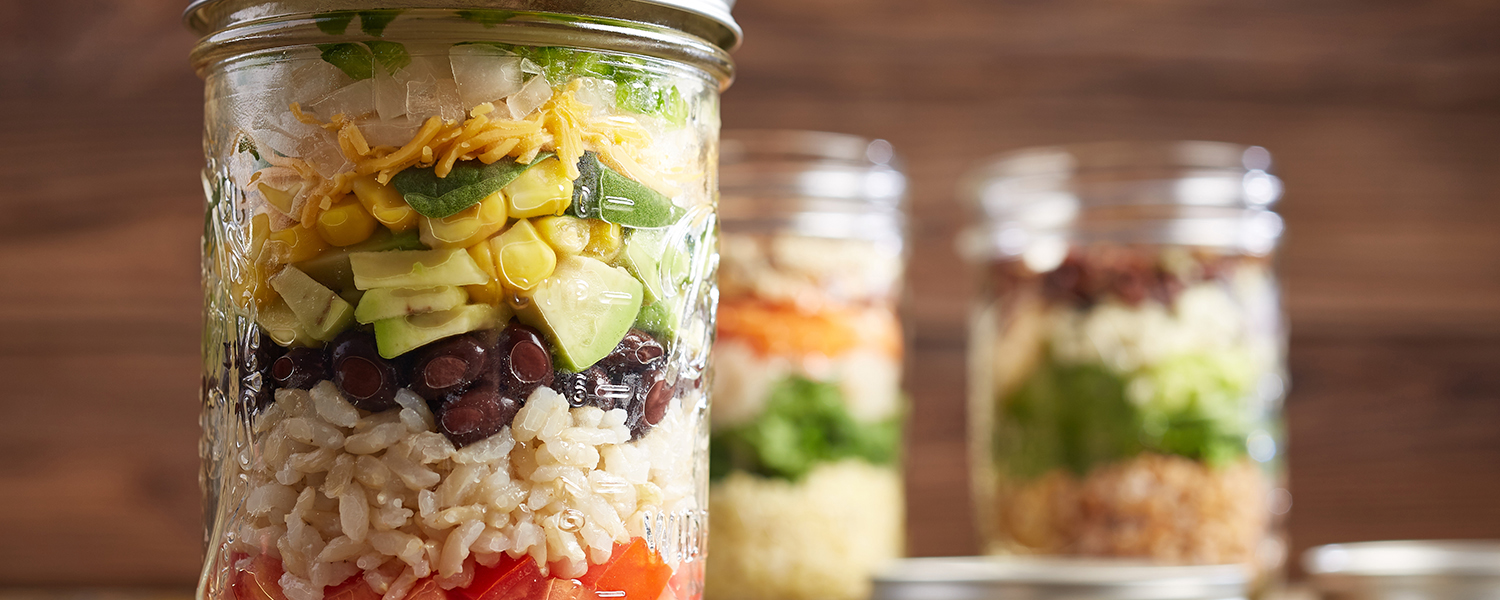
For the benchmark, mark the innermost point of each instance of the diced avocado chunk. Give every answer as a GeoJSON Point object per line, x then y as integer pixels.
{"type": "Point", "coordinates": [415, 269]}
{"type": "Point", "coordinates": [321, 311]}
{"type": "Point", "coordinates": [399, 335]}
{"type": "Point", "coordinates": [586, 307]}
{"type": "Point", "coordinates": [279, 322]}
{"type": "Point", "coordinates": [602, 193]}
{"type": "Point", "coordinates": [387, 303]}
{"type": "Point", "coordinates": [662, 267]}
{"type": "Point", "coordinates": [643, 257]}
{"type": "Point", "coordinates": [659, 319]}
{"type": "Point", "coordinates": [331, 268]}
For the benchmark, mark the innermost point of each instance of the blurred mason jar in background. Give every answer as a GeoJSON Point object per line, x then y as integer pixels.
{"type": "Point", "coordinates": [806, 492]}
{"type": "Point", "coordinates": [1127, 354]}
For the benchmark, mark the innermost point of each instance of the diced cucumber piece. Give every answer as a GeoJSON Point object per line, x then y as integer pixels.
{"type": "Point", "coordinates": [320, 311]}
{"type": "Point", "coordinates": [586, 307]}
{"type": "Point", "coordinates": [331, 268]}
{"type": "Point", "coordinates": [387, 303]}
{"type": "Point", "coordinates": [279, 322]}
{"type": "Point", "coordinates": [415, 269]}
{"type": "Point", "coordinates": [601, 193]}
{"type": "Point", "coordinates": [399, 335]}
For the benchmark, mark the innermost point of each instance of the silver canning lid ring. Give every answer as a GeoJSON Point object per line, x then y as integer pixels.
{"type": "Point", "coordinates": [1406, 558]}
{"type": "Point", "coordinates": [708, 19]}
{"type": "Point", "coordinates": [976, 578]}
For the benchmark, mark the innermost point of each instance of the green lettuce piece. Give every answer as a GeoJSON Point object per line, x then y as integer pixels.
{"type": "Point", "coordinates": [468, 183]}
{"type": "Point", "coordinates": [637, 91]}
{"type": "Point", "coordinates": [602, 193]}
{"type": "Point", "coordinates": [358, 60]}
{"type": "Point", "coordinates": [353, 59]}
{"type": "Point", "coordinates": [1080, 416]}
{"type": "Point", "coordinates": [805, 423]}
{"type": "Point", "coordinates": [638, 88]}
{"type": "Point", "coordinates": [486, 17]}
{"type": "Point", "coordinates": [391, 55]}
{"type": "Point", "coordinates": [334, 23]}
{"type": "Point", "coordinates": [1072, 417]}
{"type": "Point", "coordinates": [374, 22]}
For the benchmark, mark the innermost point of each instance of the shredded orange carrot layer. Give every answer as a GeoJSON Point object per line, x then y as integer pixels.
{"type": "Point", "coordinates": [779, 329]}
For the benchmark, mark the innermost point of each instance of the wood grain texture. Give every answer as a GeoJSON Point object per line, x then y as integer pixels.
{"type": "Point", "coordinates": [1384, 118]}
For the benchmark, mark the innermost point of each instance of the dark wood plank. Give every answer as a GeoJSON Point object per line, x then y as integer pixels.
{"type": "Point", "coordinates": [1384, 118]}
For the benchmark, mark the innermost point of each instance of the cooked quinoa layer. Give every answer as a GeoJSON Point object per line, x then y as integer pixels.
{"type": "Point", "coordinates": [337, 492]}
{"type": "Point", "coordinates": [1163, 507]}
{"type": "Point", "coordinates": [816, 538]}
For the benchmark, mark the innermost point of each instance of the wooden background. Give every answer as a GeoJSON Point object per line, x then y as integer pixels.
{"type": "Point", "coordinates": [1384, 118]}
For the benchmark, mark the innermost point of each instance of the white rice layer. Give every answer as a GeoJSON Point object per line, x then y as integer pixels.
{"type": "Point", "coordinates": [337, 492]}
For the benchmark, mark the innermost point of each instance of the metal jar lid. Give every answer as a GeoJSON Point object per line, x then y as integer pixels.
{"type": "Point", "coordinates": [1418, 569]}
{"type": "Point", "coordinates": [1048, 578]}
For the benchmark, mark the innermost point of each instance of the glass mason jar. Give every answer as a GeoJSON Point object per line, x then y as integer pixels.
{"type": "Point", "coordinates": [1127, 357]}
{"type": "Point", "coordinates": [459, 278]}
{"type": "Point", "coordinates": [806, 496]}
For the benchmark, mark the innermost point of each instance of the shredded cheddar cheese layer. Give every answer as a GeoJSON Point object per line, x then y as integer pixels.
{"type": "Point", "coordinates": [563, 125]}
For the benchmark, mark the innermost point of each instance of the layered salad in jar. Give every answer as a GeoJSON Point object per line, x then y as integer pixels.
{"type": "Point", "coordinates": [806, 498]}
{"type": "Point", "coordinates": [1126, 404]}
{"type": "Point", "coordinates": [461, 296]}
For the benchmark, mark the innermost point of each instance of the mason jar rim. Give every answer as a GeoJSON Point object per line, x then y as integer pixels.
{"type": "Point", "coordinates": [811, 164]}
{"type": "Point", "coordinates": [1139, 173]}
{"type": "Point", "coordinates": [1152, 192]}
{"type": "Point", "coordinates": [714, 14]}
{"type": "Point", "coordinates": [1095, 156]}
{"type": "Point", "coordinates": [692, 32]}
{"type": "Point", "coordinates": [812, 182]}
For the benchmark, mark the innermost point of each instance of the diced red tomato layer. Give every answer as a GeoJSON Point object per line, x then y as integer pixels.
{"type": "Point", "coordinates": [354, 588]}
{"type": "Point", "coordinates": [261, 580]}
{"type": "Point", "coordinates": [427, 589]}
{"type": "Point", "coordinates": [633, 572]}
{"type": "Point", "coordinates": [568, 589]}
{"type": "Point", "coordinates": [687, 582]}
{"type": "Point", "coordinates": [509, 579]}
